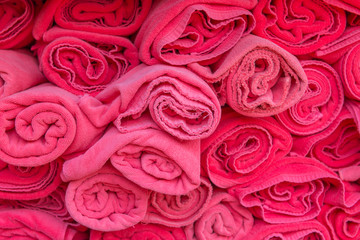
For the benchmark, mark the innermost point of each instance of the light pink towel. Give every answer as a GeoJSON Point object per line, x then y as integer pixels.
{"type": "Point", "coordinates": [179, 210]}
{"type": "Point", "coordinates": [181, 31]}
{"type": "Point", "coordinates": [179, 101]}
{"type": "Point", "coordinates": [151, 158]}
{"type": "Point", "coordinates": [18, 71]}
{"type": "Point", "coordinates": [242, 148]}
{"type": "Point", "coordinates": [106, 201]}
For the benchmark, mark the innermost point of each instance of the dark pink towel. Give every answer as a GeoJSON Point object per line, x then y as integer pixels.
{"type": "Point", "coordinates": [115, 17]}
{"type": "Point", "coordinates": [42, 123]}
{"type": "Point", "coordinates": [193, 31]}
{"type": "Point", "coordinates": [321, 103]}
{"type": "Point", "coordinates": [242, 148]}
{"type": "Point", "coordinates": [151, 158]}
{"type": "Point", "coordinates": [179, 101]}
{"type": "Point", "coordinates": [299, 26]}
{"type": "Point", "coordinates": [106, 201]}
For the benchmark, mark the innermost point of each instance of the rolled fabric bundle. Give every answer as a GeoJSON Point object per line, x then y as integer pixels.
{"type": "Point", "coordinates": [348, 5]}
{"type": "Point", "coordinates": [224, 218]}
{"type": "Point", "coordinates": [27, 183]}
{"type": "Point", "coordinates": [192, 31]}
{"type": "Point", "coordinates": [150, 158]}
{"type": "Point", "coordinates": [242, 148]}
{"type": "Point", "coordinates": [141, 231]}
{"type": "Point", "coordinates": [112, 17]}
{"type": "Point", "coordinates": [84, 62]}
{"type": "Point", "coordinates": [179, 210]}
{"type": "Point", "coordinates": [321, 103]}
{"type": "Point", "coordinates": [106, 201]}
{"type": "Point", "coordinates": [298, 26]}
{"type": "Point", "coordinates": [17, 20]}
{"type": "Point", "coordinates": [42, 123]}
{"type": "Point", "coordinates": [179, 102]}
{"type": "Point", "coordinates": [18, 71]}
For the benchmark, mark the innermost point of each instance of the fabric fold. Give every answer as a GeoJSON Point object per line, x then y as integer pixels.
{"type": "Point", "coordinates": [348, 5]}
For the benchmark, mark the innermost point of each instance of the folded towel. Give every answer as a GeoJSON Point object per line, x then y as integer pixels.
{"type": "Point", "coordinates": [18, 71]}
{"type": "Point", "coordinates": [224, 218]}
{"type": "Point", "coordinates": [151, 158]}
{"type": "Point", "coordinates": [179, 101]}
{"type": "Point", "coordinates": [83, 62]}
{"type": "Point", "coordinates": [242, 148]}
{"type": "Point", "coordinates": [192, 31]}
{"type": "Point", "coordinates": [179, 210]}
{"type": "Point", "coordinates": [141, 231]}
{"type": "Point", "coordinates": [348, 5]}
{"type": "Point", "coordinates": [106, 201]}
{"type": "Point", "coordinates": [321, 103]}
{"type": "Point", "coordinates": [26, 183]}
{"type": "Point", "coordinates": [300, 27]}
{"type": "Point", "coordinates": [115, 17]}
{"type": "Point", "coordinates": [40, 124]}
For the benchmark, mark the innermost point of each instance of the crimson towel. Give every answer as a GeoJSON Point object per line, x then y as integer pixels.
{"type": "Point", "coordinates": [242, 148]}
{"type": "Point", "coordinates": [193, 31]}
{"type": "Point", "coordinates": [179, 101]}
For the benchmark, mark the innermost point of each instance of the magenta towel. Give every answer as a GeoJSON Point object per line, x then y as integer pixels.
{"type": "Point", "coordinates": [179, 101]}
{"type": "Point", "coordinates": [179, 210]}
{"type": "Point", "coordinates": [192, 31]}
{"type": "Point", "coordinates": [299, 26]}
{"type": "Point", "coordinates": [106, 201]}
{"type": "Point", "coordinates": [41, 124]}
{"type": "Point", "coordinates": [321, 103]}
{"type": "Point", "coordinates": [224, 218]}
{"type": "Point", "coordinates": [18, 71]}
{"type": "Point", "coordinates": [242, 148]}
{"type": "Point", "coordinates": [151, 158]}
{"type": "Point", "coordinates": [348, 5]}
{"type": "Point", "coordinates": [106, 17]}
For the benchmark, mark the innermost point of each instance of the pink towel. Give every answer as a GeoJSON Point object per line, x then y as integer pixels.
{"type": "Point", "coordinates": [26, 183]}
{"type": "Point", "coordinates": [141, 231]}
{"type": "Point", "coordinates": [179, 101]}
{"type": "Point", "coordinates": [299, 26]}
{"type": "Point", "coordinates": [107, 17]}
{"type": "Point", "coordinates": [193, 31]}
{"type": "Point", "coordinates": [83, 62]}
{"type": "Point", "coordinates": [224, 218]}
{"type": "Point", "coordinates": [321, 103]}
{"type": "Point", "coordinates": [242, 148]}
{"type": "Point", "coordinates": [18, 71]}
{"type": "Point", "coordinates": [151, 158]}
{"type": "Point", "coordinates": [348, 5]}
{"type": "Point", "coordinates": [42, 123]}
{"type": "Point", "coordinates": [179, 210]}
{"type": "Point", "coordinates": [106, 201]}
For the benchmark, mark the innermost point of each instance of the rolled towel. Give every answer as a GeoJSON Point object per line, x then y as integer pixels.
{"type": "Point", "coordinates": [150, 158]}
{"type": "Point", "coordinates": [115, 17]}
{"type": "Point", "coordinates": [192, 31]}
{"type": "Point", "coordinates": [83, 62]}
{"type": "Point", "coordinates": [300, 27]}
{"type": "Point", "coordinates": [18, 71]}
{"type": "Point", "coordinates": [106, 201]}
{"type": "Point", "coordinates": [42, 123]}
{"type": "Point", "coordinates": [242, 148]}
{"type": "Point", "coordinates": [321, 103]}
{"type": "Point", "coordinates": [179, 101]}
{"type": "Point", "coordinates": [179, 210]}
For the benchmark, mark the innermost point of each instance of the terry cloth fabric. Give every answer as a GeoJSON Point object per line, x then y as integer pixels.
{"type": "Point", "coordinates": [42, 123]}
{"type": "Point", "coordinates": [106, 201]}
{"type": "Point", "coordinates": [321, 103]}
{"type": "Point", "coordinates": [83, 62]}
{"type": "Point", "coordinates": [106, 17]}
{"type": "Point", "coordinates": [150, 157]}
{"type": "Point", "coordinates": [242, 148]}
{"type": "Point", "coordinates": [348, 5]}
{"type": "Point", "coordinates": [299, 26]}
{"type": "Point", "coordinates": [179, 102]}
{"type": "Point", "coordinates": [192, 31]}
{"type": "Point", "coordinates": [18, 71]}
